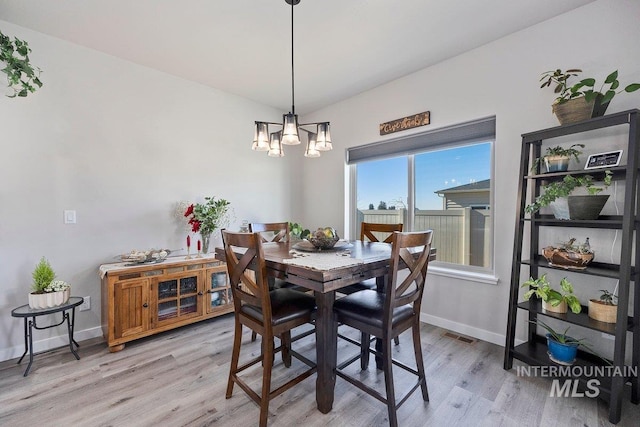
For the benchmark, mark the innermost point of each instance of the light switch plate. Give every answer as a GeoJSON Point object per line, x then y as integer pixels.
{"type": "Point", "coordinates": [69, 217]}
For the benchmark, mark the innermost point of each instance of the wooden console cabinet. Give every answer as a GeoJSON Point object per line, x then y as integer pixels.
{"type": "Point", "coordinates": [142, 300]}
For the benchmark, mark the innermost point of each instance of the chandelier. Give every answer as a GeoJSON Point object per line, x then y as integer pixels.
{"type": "Point", "coordinates": [289, 133]}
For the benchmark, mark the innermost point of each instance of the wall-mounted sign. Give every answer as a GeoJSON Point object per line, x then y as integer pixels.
{"type": "Point", "coordinates": [603, 160]}
{"type": "Point", "coordinates": [405, 123]}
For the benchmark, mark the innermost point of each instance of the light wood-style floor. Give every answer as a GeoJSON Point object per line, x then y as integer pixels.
{"type": "Point", "coordinates": [178, 379]}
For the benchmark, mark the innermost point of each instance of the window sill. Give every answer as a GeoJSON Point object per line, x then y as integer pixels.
{"type": "Point", "coordinates": [471, 276]}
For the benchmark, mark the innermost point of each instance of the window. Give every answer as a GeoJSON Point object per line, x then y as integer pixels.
{"type": "Point", "coordinates": [437, 180]}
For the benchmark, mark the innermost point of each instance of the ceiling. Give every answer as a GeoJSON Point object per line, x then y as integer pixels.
{"type": "Point", "coordinates": [342, 47]}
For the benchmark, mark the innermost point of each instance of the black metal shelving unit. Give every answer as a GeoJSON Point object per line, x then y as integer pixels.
{"type": "Point", "coordinates": [534, 352]}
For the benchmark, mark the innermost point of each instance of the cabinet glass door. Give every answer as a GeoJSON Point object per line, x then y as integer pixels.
{"type": "Point", "coordinates": [218, 289]}
{"type": "Point", "coordinates": [178, 298]}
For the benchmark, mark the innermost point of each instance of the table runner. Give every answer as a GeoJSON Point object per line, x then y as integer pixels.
{"type": "Point", "coordinates": [322, 260]}
{"type": "Point", "coordinates": [105, 268]}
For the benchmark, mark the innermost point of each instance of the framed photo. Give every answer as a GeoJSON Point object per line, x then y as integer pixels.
{"type": "Point", "coordinates": [604, 160]}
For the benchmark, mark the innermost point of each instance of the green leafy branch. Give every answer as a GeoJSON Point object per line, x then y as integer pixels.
{"type": "Point", "coordinates": [565, 187]}
{"type": "Point", "coordinates": [22, 77]}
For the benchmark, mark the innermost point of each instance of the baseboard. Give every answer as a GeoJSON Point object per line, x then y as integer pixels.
{"type": "Point", "coordinates": [50, 343]}
{"type": "Point", "coordinates": [464, 329]}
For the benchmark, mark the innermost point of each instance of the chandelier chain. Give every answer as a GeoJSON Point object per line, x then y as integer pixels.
{"type": "Point", "coordinates": [293, 106]}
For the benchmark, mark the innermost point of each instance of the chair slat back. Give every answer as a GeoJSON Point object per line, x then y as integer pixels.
{"type": "Point", "coordinates": [410, 289]}
{"type": "Point", "coordinates": [247, 271]}
{"type": "Point", "coordinates": [280, 231]}
{"type": "Point", "coordinates": [368, 228]}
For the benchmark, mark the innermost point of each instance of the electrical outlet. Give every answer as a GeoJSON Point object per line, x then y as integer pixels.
{"type": "Point", "coordinates": [86, 305]}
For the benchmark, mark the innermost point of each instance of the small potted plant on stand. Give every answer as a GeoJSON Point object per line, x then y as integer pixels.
{"type": "Point", "coordinates": [565, 205]}
{"type": "Point", "coordinates": [580, 101]}
{"type": "Point", "coordinates": [570, 106]}
{"type": "Point", "coordinates": [47, 292]}
{"type": "Point", "coordinates": [553, 300]}
{"type": "Point", "coordinates": [562, 347]}
{"type": "Point", "coordinates": [605, 309]}
{"type": "Point", "coordinates": [556, 159]}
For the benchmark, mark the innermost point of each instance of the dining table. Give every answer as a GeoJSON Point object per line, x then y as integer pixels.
{"type": "Point", "coordinates": [324, 273]}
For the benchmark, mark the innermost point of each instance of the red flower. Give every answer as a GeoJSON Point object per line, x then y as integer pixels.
{"type": "Point", "coordinates": [189, 210]}
{"type": "Point", "coordinates": [195, 225]}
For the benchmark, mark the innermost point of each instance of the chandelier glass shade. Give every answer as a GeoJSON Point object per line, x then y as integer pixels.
{"type": "Point", "coordinates": [289, 134]}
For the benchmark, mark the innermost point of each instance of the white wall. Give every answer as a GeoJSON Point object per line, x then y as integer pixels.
{"type": "Point", "coordinates": [498, 79]}
{"type": "Point", "coordinates": [120, 144]}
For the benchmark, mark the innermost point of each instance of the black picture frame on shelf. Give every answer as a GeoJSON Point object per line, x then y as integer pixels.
{"type": "Point", "coordinates": [604, 160]}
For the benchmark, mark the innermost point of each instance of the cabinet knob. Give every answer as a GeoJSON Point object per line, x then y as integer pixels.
{"type": "Point", "coordinates": [145, 305]}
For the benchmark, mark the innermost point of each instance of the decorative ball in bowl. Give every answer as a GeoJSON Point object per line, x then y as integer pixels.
{"type": "Point", "coordinates": [324, 238]}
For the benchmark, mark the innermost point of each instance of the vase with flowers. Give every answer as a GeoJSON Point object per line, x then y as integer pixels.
{"type": "Point", "coordinates": [46, 290]}
{"type": "Point", "coordinates": [207, 217]}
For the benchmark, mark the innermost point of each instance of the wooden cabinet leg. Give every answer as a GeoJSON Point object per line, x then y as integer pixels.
{"type": "Point", "coordinates": [116, 348]}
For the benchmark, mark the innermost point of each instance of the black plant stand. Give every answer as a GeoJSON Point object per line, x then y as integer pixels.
{"type": "Point", "coordinates": [528, 243]}
{"type": "Point", "coordinates": [30, 314]}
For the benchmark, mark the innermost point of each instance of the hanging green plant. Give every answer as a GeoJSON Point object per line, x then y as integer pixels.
{"type": "Point", "coordinates": [22, 77]}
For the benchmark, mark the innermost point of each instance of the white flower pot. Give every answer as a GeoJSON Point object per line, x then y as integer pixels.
{"type": "Point", "coordinates": [49, 299]}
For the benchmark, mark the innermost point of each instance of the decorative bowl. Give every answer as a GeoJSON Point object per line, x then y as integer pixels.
{"type": "Point", "coordinates": [324, 238]}
{"type": "Point", "coordinates": [151, 255]}
{"type": "Point", "coordinates": [559, 257]}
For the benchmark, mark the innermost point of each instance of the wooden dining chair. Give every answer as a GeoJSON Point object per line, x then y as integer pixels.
{"type": "Point", "coordinates": [386, 315]}
{"type": "Point", "coordinates": [270, 313]}
{"type": "Point", "coordinates": [366, 233]}
{"type": "Point", "coordinates": [272, 232]}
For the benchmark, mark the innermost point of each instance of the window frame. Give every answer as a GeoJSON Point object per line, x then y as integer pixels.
{"type": "Point", "coordinates": [465, 134]}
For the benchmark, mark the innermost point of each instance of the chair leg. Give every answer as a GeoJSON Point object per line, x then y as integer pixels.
{"type": "Point", "coordinates": [388, 380]}
{"type": "Point", "coordinates": [286, 348]}
{"type": "Point", "coordinates": [254, 335]}
{"type": "Point", "coordinates": [364, 350]}
{"type": "Point", "coordinates": [235, 355]}
{"type": "Point", "coordinates": [396, 340]}
{"type": "Point", "coordinates": [417, 349]}
{"type": "Point", "coordinates": [267, 348]}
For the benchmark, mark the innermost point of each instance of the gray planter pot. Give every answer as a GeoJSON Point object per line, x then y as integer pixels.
{"type": "Point", "coordinates": [586, 207]}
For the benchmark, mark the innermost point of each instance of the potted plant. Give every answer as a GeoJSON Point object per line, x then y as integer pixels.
{"type": "Point", "coordinates": [46, 291]}
{"type": "Point", "coordinates": [22, 77]}
{"type": "Point", "coordinates": [569, 254]}
{"type": "Point", "coordinates": [553, 300]}
{"type": "Point", "coordinates": [604, 309]}
{"type": "Point", "coordinates": [568, 206]}
{"type": "Point", "coordinates": [208, 217]}
{"type": "Point", "coordinates": [297, 231]}
{"type": "Point", "coordinates": [562, 347]}
{"type": "Point", "coordinates": [580, 101]}
{"type": "Point", "coordinates": [570, 106]}
{"type": "Point", "coordinates": [556, 159]}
